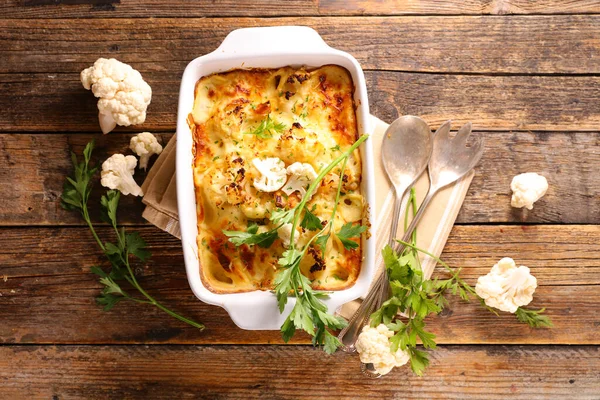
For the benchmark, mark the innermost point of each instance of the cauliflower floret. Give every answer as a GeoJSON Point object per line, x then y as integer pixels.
{"type": "Point", "coordinates": [117, 173]}
{"type": "Point", "coordinates": [507, 287]}
{"type": "Point", "coordinates": [124, 95]}
{"type": "Point", "coordinates": [527, 189]}
{"type": "Point", "coordinates": [285, 232]}
{"type": "Point", "coordinates": [373, 345]}
{"type": "Point", "coordinates": [272, 172]}
{"type": "Point", "coordinates": [302, 175]}
{"type": "Point", "coordinates": [145, 145]}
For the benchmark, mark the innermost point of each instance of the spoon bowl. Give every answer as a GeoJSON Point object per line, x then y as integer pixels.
{"type": "Point", "coordinates": [406, 149]}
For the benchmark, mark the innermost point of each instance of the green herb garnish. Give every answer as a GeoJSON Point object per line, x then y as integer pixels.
{"type": "Point", "coordinates": [349, 231]}
{"type": "Point", "coordinates": [266, 128]}
{"type": "Point", "coordinates": [75, 197]}
{"type": "Point", "coordinates": [309, 314]}
{"type": "Point", "coordinates": [417, 298]}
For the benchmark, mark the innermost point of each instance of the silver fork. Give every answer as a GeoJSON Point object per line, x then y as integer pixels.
{"type": "Point", "coordinates": [451, 159]}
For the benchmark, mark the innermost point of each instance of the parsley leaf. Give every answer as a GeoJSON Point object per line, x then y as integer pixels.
{"type": "Point", "coordinates": [311, 221]}
{"type": "Point", "coordinates": [417, 298]}
{"type": "Point", "coordinates": [280, 216]}
{"type": "Point", "coordinates": [75, 196]}
{"type": "Point", "coordinates": [108, 300]}
{"type": "Point", "coordinates": [533, 318]}
{"type": "Point", "coordinates": [137, 246]}
{"type": "Point", "coordinates": [310, 313]}
{"type": "Point", "coordinates": [264, 239]}
{"type": "Point", "coordinates": [349, 231]}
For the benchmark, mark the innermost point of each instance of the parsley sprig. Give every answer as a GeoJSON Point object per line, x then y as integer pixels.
{"type": "Point", "coordinates": [417, 298]}
{"type": "Point", "coordinates": [310, 313]}
{"type": "Point", "coordinates": [266, 128]}
{"type": "Point", "coordinates": [75, 197]}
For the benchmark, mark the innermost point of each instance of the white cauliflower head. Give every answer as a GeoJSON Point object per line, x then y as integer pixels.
{"type": "Point", "coordinates": [145, 145]}
{"type": "Point", "coordinates": [123, 94]}
{"type": "Point", "coordinates": [117, 173]}
{"type": "Point", "coordinates": [506, 287]}
{"type": "Point", "coordinates": [302, 175]}
{"type": "Point", "coordinates": [272, 174]}
{"type": "Point", "coordinates": [373, 345]}
{"type": "Point", "coordinates": [527, 189]}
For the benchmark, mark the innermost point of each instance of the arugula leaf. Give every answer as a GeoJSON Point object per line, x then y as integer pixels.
{"type": "Point", "coordinates": [311, 221]}
{"type": "Point", "coordinates": [264, 239]}
{"type": "Point", "coordinates": [266, 127]}
{"type": "Point", "coordinates": [533, 318]}
{"type": "Point", "coordinates": [349, 231]}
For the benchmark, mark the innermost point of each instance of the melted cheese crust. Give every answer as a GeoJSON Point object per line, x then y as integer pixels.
{"type": "Point", "coordinates": [316, 107]}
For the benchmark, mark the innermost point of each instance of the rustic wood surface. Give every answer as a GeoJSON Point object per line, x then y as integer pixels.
{"type": "Point", "coordinates": [258, 372]}
{"type": "Point", "coordinates": [526, 73]}
{"type": "Point", "coordinates": [48, 295]}
{"type": "Point", "coordinates": [574, 196]}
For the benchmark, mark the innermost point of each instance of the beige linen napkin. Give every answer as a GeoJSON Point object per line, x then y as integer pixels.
{"type": "Point", "coordinates": [161, 205]}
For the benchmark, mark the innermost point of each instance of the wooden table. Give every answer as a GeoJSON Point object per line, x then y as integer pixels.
{"type": "Point", "coordinates": [527, 74]}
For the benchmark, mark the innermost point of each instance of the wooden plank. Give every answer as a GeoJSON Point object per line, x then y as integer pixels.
{"type": "Point", "coordinates": [530, 45]}
{"type": "Point", "coordinates": [152, 8]}
{"type": "Point", "coordinates": [185, 9]}
{"type": "Point", "coordinates": [270, 372]}
{"type": "Point", "coordinates": [48, 296]}
{"type": "Point", "coordinates": [47, 103]}
{"type": "Point", "coordinates": [567, 160]}
{"type": "Point", "coordinates": [496, 7]}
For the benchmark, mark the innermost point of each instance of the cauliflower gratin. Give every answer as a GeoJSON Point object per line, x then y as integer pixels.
{"type": "Point", "coordinates": [261, 136]}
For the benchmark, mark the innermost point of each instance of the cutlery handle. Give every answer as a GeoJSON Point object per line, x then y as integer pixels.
{"type": "Point", "coordinates": [415, 221]}
{"type": "Point", "coordinates": [378, 293]}
{"type": "Point", "coordinates": [349, 335]}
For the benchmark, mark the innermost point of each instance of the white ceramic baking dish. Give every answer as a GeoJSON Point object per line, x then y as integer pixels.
{"type": "Point", "coordinates": [271, 47]}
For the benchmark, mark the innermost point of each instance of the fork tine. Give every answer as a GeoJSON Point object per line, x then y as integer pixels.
{"type": "Point", "coordinates": [463, 133]}
{"type": "Point", "coordinates": [477, 146]}
{"type": "Point", "coordinates": [443, 130]}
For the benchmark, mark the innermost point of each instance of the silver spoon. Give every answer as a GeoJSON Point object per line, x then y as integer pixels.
{"type": "Point", "coordinates": [406, 149]}
{"type": "Point", "coordinates": [450, 160]}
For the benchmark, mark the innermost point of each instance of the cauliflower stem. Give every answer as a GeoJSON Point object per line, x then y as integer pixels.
{"type": "Point", "coordinates": [75, 197]}
{"type": "Point", "coordinates": [417, 298]}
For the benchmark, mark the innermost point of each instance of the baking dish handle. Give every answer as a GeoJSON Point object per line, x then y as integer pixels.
{"type": "Point", "coordinates": [272, 40]}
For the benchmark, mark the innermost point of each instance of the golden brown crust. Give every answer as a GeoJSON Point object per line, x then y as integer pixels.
{"type": "Point", "coordinates": [316, 110]}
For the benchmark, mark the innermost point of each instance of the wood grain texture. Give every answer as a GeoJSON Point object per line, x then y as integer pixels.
{"type": "Point", "coordinates": [520, 44]}
{"type": "Point", "coordinates": [186, 9]}
{"type": "Point", "coordinates": [33, 169]}
{"type": "Point", "coordinates": [58, 102]}
{"type": "Point", "coordinates": [153, 8]}
{"type": "Point", "coordinates": [269, 372]}
{"type": "Point", "coordinates": [433, 7]}
{"type": "Point", "coordinates": [48, 296]}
